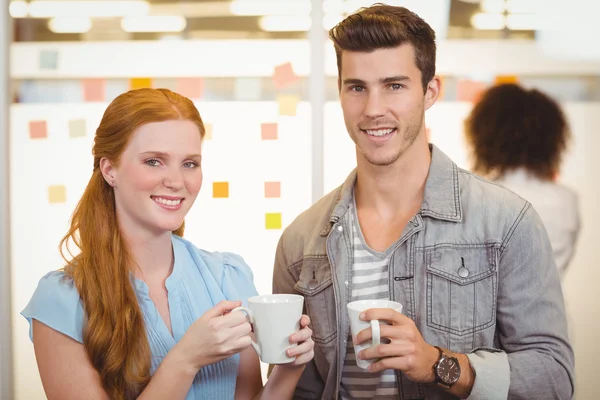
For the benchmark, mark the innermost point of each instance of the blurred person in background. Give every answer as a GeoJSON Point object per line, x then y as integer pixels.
{"type": "Point", "coordinates": [518, 137]}
{"type": "Point", "coordinates": [140, 312]}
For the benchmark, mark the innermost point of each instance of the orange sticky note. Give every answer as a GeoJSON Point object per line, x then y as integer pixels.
{"type": "Point", "coordinates": [284, 76]}
{"type": "Point", "coordinates": [288, 104]}
{"type": "Point", "coordinates": [273, 220]}
{"type": "Point", "coordinates": [220, 190]}
{"type": "Point", "coordinates": [57, 194]}
{"type": "Point", "coordinates": [140, 83]}
{"type": "Point", "coordinates": [38, 129]}
{"type": "Point", "coordinates": [93, 89]}
{"type": "Point", "coordinates": [208, 130]}
{"type": "Point", "coordinates": [268, 131]}
{"type": "Point", "coordinates": [190, 87]}
{"type": "Point", "coordinates": [502, 79]}
{"type": "Point", "coordinates": [468, 90]}
{"type": "Point", "coordinates": [272, 189]}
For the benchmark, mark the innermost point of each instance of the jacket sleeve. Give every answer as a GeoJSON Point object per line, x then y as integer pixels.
{"type": "Point", "coordinates": [531, 322]}
{"type": "Point", "coordinates": [311, 384]}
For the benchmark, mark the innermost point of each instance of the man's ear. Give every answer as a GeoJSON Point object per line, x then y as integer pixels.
{"type": "Point", "coordinates": [434, 88]}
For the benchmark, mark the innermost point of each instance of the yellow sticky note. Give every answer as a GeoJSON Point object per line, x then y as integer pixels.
{"type": "Point", "coordinates": [287, 104]}
{"type": "Point", "coordinates": [208, 128]}
{"type": "Point", "coordinates": [77, 128]}
{"type": "Point", "coordinates": [220, 190]}
{"type": "Point", "coordinates": [273, 220]}
{"type": "Point", "coordinates": [57, 194]}
{"type": "Point", "coordinates": [140, 83]}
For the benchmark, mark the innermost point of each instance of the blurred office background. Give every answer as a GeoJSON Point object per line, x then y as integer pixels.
{"type": "Point", "coordinates": [264, 77]}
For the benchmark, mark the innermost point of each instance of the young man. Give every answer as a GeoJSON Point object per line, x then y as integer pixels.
{"type": "Point", "coordinates": [470, 261]}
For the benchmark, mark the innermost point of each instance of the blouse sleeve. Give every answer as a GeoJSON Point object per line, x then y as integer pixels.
{"type": "Point", "coordinates": [238, 279]}
{"type": "Point", "coordinates": [56, 303]}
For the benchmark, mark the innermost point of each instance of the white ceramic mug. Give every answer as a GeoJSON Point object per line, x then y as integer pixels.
{"type": "Point", "coordinates": [357, 325]}
{"type": "Point", "coordinates": [275, 318]}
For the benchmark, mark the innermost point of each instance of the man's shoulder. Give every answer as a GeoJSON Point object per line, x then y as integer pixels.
{"type": "Point", "coordinates": [311, 223]}
{"type": "Point", "coordinates": [488, 199]}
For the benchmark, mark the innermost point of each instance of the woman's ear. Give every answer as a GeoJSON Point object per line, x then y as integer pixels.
{"type": "Point", "coordinates": [108, 171]}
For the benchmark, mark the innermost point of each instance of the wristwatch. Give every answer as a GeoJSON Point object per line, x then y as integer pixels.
{"type": "Point", "coordinates": [446, 369]}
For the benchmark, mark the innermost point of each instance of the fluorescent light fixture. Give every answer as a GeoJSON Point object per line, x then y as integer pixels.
{"type": "Point", "coordinates": [524, 22]}
{"type": "Point", "coordinates": [524, 6]}
{"type": "Point", "coordinates": [154, 23]}
{"type": "Point", "coordinates": [18, 9]}
{"type": "Point", "coordinates": [493, 6]}
{"type": "Point", "coordinates": [270, 7]}
{"type": "Point", "coordinates": [488, 21]}
{"type": "Point", "coordinates": [284, 23]}
{"type": "Point", "coordinates": [70, 25]}
{"type": "Point", "coordinates": [100, 9]}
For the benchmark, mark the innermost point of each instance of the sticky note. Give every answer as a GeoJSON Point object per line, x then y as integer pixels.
{"type": "Point", "coordinates": [249, 89]}
{"type": "Point", "coordinates": [38, 129]}
{"type": "Point", "coordinates": [57, 194]}
{"type": "Point", "coordinates": [268, 131]}
{"type": "Point", "coordinates": [284, 76]}
{"type": "Point", "coordinates": [208, 130]}
{"type": "Point", "coordinates": [468, 90]}
{"type": "Point", "coordinates": [272, 189]}
{"type": "Point", "coordinates": [502, 79]}
{"type": "Point", "coordinates": [77, 128]}
{"type": "Point", "coordinates": [190, 87]}
{"type": "Point", "coordinates": [140, 83]}
{"type": "Point", "coordinates": [273, 220]}
{"type": "Point", "coordinates": [48, 59]}
{"type": "Point", "coordinates": [220, 190]}
{"type": "Point", "coordinates": [93, 89]}
{"type": "Point", "coordinates": [287, 104]}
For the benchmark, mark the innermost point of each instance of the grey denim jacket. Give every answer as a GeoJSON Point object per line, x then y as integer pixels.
{"type": "Point", "coordinates": [474, 270]}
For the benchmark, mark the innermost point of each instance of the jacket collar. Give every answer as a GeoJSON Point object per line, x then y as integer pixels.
{"type": "Point", "coordinates": [441, 198]}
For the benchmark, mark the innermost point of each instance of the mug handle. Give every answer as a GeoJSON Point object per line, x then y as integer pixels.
{"type": "Point", "coordinates": [376, 333]}
{"type": "Point", "coordinates": [251, 320]}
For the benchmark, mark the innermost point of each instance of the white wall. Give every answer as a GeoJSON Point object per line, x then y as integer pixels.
{"type": "Point", "coordinates": [226, 225]}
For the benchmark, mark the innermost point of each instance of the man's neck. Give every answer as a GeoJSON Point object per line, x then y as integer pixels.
{"type": "Point", "coordinates": [395, 189]}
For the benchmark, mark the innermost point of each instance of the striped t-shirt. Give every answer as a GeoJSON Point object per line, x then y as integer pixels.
{"type": "Point", "coordinates": [369, 280]}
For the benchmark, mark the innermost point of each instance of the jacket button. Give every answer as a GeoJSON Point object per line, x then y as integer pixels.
{"type": "Point", "coordinates": [340, 228]}
{"type": "Point", "coordinates": [463, 272]}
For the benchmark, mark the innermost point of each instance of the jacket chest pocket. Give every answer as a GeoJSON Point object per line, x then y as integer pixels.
{"type": "Point", "coordinates": [461, 288]}
{"type": "Point", "coordinates": [316, 285]}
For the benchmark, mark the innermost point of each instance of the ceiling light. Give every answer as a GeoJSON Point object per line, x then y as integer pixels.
{"type": "Point", "coordinates": [488, 21]}
{"type": "Point", "coordinates": [524, 6]}
{"type": "Point", "coordinates": [284, 23]}
{"type": "Point", "coordinates": [270, 7]}
{"type": "Point", "coordinates": [523, 22]}
{"type": "Point", "coordinates": [493, 6]}
{"type": "Point", "coordinates": [154, 23]}
{"type": "Point", "coordinates": [18, 9]}
{"type": "Point", "coordinates": [49, 9]}
{"type": "Point", "coordinates": [70, 25]}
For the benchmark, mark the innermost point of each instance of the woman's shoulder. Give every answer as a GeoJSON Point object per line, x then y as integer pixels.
{"type": "Point", "coordinates": [227, 268]}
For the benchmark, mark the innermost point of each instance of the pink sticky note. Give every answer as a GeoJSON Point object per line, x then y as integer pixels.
{"type": "Point", "coordinates": [272, 189]}
{"type": "Point", "coordinates": [93, 89]}
{"type": "Point", "coordinates": [268, 131]}
{"type": "Point", "coordinates": [190, 87]}
{"type": "Point", "coordinates": [284, 76]}
{"type": "Point", "coordinates": [468, 90]}
{"type": "Point", "coordinates": [38, 129]}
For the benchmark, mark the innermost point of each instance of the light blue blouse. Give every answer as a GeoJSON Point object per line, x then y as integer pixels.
{"type": "Point", "coordinates": [199, 280]}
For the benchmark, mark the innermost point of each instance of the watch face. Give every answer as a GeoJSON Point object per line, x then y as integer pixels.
{"type": "Point", "coordinates": [448, 370]}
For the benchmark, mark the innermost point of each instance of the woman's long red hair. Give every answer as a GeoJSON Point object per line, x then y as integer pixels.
{"type": "Point", "coordinates": [114, 333]}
